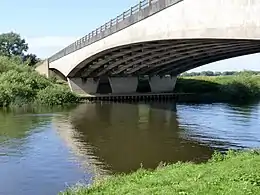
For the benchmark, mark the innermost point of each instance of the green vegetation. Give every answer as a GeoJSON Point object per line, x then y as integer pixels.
{"type": "Point", "coordinates": [241, 87]}
{"type": "Point", "coordinates": [236, 173]}
{"type": "Point", "coordinates": [225, 73]}
{"type": "Point", "coordinates": [20, 84]}
{"type": "Point", "coordinates": [12, 45]}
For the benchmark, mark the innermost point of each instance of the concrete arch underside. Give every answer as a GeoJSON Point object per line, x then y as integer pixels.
{"type": "Point", "coordinates": [162, 61]}
{"type": "Point", "coordinates": [167, 57]}
{"type": "Point", "coordinates": [56, 74]}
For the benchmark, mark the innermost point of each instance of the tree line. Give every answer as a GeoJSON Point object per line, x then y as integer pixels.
{"type": "Point", "coordinates": [225, 73]}
{"type": "Point", "coordinates": [12, 45]}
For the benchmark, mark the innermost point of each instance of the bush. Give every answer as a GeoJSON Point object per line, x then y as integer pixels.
{"type": "Point", "coordinates": [20, 85]}
{"type": "Point", "coordinates": [30, 79]}
{"type": "Point", "coordinates": [14, 63]}
{"type": "Point", "coordinates": [56, 95]}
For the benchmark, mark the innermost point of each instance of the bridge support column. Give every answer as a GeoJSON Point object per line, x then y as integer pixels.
{"type": "Point", "coordinates": [162, 84]}
{"type": "Point", "coordinates": [83, 86]}
{"type": "Point", "coordinates": [122, 85]}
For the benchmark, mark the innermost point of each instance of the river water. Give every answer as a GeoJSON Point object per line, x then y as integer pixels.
{"type": "Point", "coordinates": [44, 151]}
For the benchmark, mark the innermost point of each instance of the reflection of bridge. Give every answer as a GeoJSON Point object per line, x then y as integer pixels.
{"type": "Point", "coordinates": [105, 138]}
{"type": "Point", "coordinates": [158, 38]}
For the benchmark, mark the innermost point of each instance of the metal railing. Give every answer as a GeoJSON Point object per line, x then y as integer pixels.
{"type": "Point", "coordinates": [84, 41]}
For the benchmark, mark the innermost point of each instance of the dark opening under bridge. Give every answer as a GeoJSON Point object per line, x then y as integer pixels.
{"type": "Point", "coordinates": [157, 39]}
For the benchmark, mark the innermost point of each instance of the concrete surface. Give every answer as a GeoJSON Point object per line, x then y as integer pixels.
{"type": "Point", "coordinates": [188, 19]}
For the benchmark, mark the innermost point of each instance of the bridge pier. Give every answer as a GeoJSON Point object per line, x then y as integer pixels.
{"type": "Point", "coordinates": [162, 84]}
{"type": "Point", "coordinates": [121, 85]}
{"type": "Point", "coordinates": [83, 86]}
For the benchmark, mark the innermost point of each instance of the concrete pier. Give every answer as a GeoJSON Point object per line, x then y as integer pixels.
{"type": "Point", "coordinates": [119, 85]}
{"type": "Point", "coordinates": [123, 85]}
{"type": "Point", "coordinates": [83, 86]}
{"type": "Point", "coordinates": [162, 84]}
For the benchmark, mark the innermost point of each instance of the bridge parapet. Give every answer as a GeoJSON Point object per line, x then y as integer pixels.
{"type": "Point", "coordinates": [144, 9]}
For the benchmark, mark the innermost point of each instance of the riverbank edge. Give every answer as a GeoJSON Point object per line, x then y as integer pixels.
{"type": "Point", "coordinates": [234, 173]}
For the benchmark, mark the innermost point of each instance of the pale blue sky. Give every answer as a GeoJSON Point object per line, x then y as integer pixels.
{"type": "Point", "coordinates": [50, 25]}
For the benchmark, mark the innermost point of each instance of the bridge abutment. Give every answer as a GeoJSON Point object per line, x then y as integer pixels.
{"type": "Point", "coordinates": [162, 84]}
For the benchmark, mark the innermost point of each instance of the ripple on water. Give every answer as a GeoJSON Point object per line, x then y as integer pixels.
{"type": "Point", "coordinates": [237, 127]}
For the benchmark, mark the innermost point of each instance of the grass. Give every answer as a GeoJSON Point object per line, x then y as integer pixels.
{"type": "Point", "coordinates": [236, 173]}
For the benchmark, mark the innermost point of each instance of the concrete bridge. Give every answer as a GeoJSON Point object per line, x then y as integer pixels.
{"type": "Point", "coordinates": [154, 41]}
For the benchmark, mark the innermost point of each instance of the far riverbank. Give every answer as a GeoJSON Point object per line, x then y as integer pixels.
{"type": "Point", "coordinates": [241, 88]}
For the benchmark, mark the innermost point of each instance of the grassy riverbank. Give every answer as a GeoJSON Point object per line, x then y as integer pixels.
{"type": "Point", "coordinates": [20, 85]}
{"type": "Point", "coordinates": [242, 87]}
{"type": "Point", "coordinates": [236, 173]}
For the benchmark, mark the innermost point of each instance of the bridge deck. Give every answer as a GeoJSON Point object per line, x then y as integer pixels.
{"type": "Point", "coordinates": [140, 11]}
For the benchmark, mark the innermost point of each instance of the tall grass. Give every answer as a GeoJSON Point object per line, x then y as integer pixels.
{"type": "Point", "coordinates": [20, 84]}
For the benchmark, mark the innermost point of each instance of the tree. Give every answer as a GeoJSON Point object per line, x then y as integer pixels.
{"type": "Point", "coordinates": [30, 59]}
{"type": "Point", "coordinates": [11, 44]}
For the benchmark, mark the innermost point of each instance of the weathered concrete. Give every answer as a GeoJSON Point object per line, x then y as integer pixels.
{"type": "Point", "coordinates": [188, 19]}
{"type": "Point", "coordinates": [83, 86]}
{"type": "Point", "coordinates": [43, 68]}
{"type": "Point", "coordinates": [121, 85]}
{"type": "Point", "coordinates": [162, 84]}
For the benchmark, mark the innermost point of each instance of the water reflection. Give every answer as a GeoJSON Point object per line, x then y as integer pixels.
{"type": "Point", "coordinates": [42, 150]}
{"type": "Point", "coordinates": [121, 137]}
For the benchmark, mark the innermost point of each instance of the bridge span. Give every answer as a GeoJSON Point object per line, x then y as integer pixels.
{"type": "Point", "coordinates": [155, 41]}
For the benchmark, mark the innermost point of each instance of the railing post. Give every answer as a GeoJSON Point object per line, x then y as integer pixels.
{"type": "Point", "coordinates": [123, 15]}
{"type": "Point", "coordinates": [149, 2]}
{"type": "Point", "coordinates": [131, 11]}
{"type": "Point", "coordinates": [111, 23]}
{"type": "Point", "coordinates": [140, 5]}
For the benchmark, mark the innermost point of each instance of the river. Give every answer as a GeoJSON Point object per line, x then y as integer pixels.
{"type": "Point", "coordinates": [43, 151]}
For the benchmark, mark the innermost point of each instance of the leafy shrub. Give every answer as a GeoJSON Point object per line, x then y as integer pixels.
{"type": "Point", "coordinates": [56, 95]}
{"type": "Point", "coordinates": [30, 79]}
{"type": "Point", "coordinates": [14, 63]}
{"type": "Point", "coordinates": [15, 93]}
{"type": "Point", "coordinates": [20, 84]}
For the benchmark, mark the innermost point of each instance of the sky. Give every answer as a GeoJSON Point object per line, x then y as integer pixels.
{"type": "Point", "coordinates": [51, 25]}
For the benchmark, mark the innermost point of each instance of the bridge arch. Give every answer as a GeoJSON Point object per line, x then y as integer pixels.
{"type": "Point", "coordinates": [186, 20]}
{"type": "Point", "coordinates": [166, 57]}
{"type": "Point", "coordinates": [165, 38]}
{"type": "Point", "coordinates": [57, 74]}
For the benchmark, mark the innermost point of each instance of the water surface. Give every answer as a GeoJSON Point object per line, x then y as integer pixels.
{"type": "Point", "coordinates": [43, 151]}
